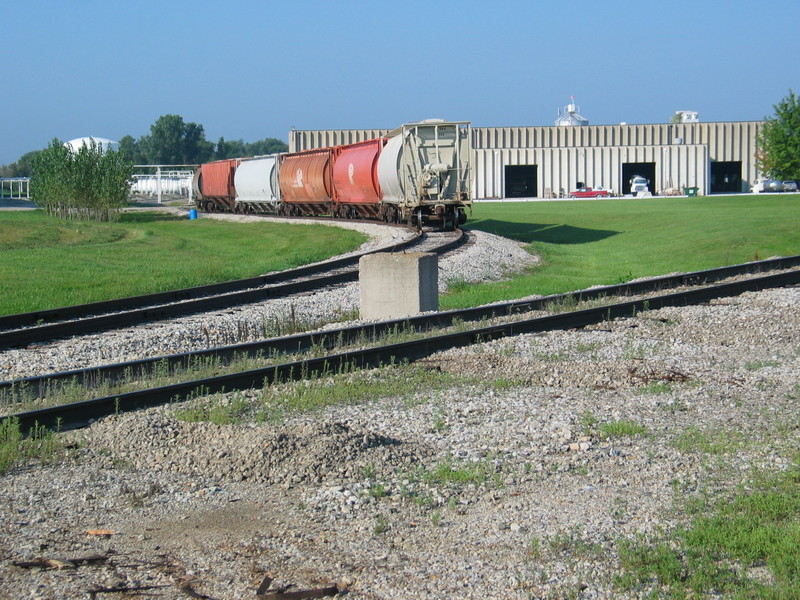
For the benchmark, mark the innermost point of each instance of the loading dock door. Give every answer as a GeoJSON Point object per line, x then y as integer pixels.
{"type": "Point", "coordinates": [645, 169]}
{"type": "Point", "coordinates": [726, 177]}
{"type": "Point", "coordinates": [522, 181]}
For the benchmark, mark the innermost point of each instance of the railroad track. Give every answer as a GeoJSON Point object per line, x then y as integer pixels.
{"type": "Point", "coordinates": [41, 326]}
{"type": "Point", "coordinates": [81, 413]}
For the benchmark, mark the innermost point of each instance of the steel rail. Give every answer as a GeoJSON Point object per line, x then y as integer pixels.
{"type": "Point", "coordinates": [130, 311]}
{"type": "Point", "coordinates": [77, 311]}
{"type": "Point", "coordinates": [302, 342]}
{"type": "Point", "coordinates": [82, 413]}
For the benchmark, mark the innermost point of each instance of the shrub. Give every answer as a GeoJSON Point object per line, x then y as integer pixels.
{"type": "Point", "coordinates": [90, 184]}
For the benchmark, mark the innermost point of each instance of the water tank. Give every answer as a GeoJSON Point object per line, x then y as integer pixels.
{"type": "Point", "coordinates": [105, 144]}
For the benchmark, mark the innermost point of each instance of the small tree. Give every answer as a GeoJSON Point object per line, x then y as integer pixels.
{"type": "Point", "coordinates": [87, 184]}
{"type": "Point", "coordinates": [779, 141]}
{"type": "Point", "coordinates": [50, 185]}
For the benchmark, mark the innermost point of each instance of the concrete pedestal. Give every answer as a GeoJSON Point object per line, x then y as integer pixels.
{"type": "Point", "coordinates": [398, 285]}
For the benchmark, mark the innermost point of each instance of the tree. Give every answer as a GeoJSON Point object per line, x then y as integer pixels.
{"type": "Point", "coordinates": [130, 148]}
{"type": "Point", "coordinates": [234, 149]}
{"type": "Point", "coordinates": [21, 168]}
{"type": "Point", "coordinates": [87, 184]}
{"type": "Point", "coordinates": [267, 146]}
{"type": "Point", "coordinates": [241, 149]}
{"type": "Point", "coordinates": [778, 154]}
{"type": "Point", "coordinates": [173, 142]}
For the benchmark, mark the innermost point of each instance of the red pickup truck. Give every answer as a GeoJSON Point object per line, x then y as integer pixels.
{"type": "Point", "coordinates": [587, 192]}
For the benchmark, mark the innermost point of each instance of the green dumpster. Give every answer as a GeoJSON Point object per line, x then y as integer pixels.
{"type": "Point", "coordinates": [690, 191]}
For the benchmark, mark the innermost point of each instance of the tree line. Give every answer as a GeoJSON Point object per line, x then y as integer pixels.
{"type": "Point", "coordinates": [171, 141]}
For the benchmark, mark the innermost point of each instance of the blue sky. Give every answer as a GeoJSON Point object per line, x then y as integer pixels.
{"type": "Point", "coordinates": [252, 69]}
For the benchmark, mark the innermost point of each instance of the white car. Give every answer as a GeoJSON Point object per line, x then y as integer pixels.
{"type": "Point", "coordinates": [639, 184]}
{"type": "Point", "coordinates": [790, 186]}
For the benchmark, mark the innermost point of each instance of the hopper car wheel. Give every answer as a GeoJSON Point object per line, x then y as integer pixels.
{"type": "Point", "coordinates": [451, 220]}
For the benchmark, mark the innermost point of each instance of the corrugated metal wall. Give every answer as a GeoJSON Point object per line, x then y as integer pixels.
{"type": "Point", "coordinates": [677, 166]}
{"type": "Point", "coordinates": [720, 137]}
{"type": "Point", "coordinates": [593, 154]}
{"type": "Point", "coordinates": [309, 139]}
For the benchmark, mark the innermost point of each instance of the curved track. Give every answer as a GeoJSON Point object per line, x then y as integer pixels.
{"type": "Point", "coordinates": [39, 326]}
{"type": "Point", "coordinates": [79, 414]}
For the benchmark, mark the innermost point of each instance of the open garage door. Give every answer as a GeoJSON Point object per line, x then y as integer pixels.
{"type": "Point", "coordinates": [726, 176]}
{"type": "Point", "coordinates": [645, 169]}
{"type": "Point", "coordinates": [522, 181]}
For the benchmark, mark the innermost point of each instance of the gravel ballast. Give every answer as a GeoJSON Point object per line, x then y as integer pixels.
{"type": "Point", "coordinates": [366, 496]}
{"type": "Point", "coordinates": [486, 257]}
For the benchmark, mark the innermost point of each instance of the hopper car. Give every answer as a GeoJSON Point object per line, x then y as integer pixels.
{"type": "Point", "coordinates": [418, 174]}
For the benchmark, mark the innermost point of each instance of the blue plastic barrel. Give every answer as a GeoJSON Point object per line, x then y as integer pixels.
{"type": "Point", "coordinates": [193, 213]}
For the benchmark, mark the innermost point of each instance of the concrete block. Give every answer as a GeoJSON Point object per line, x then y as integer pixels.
{"type": "Point", "coordinates": [395, 285]}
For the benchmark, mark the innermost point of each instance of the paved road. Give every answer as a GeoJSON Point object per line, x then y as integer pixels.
{"type": "Point", "coordinates": [6, 204]}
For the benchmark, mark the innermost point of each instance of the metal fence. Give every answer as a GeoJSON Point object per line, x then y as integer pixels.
{"type": "Point", "coordinates": [163, 180]}
{"type": "Point", "coordinates": [15, 188]}
{"type": "Point", "coordinates": [158, 181]}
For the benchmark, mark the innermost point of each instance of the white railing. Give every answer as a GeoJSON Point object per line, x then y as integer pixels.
{"type": "Point", "coordinates": [167, 179]}
{"type": "Point", "coordinates": [16, 188]}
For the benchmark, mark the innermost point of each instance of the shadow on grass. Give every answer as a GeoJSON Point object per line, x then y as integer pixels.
{"type": "Point", "coordinates": [149, 217]}
{"type": "Point", "coordinates": [542, 232]}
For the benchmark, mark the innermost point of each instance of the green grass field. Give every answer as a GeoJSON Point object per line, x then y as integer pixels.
{"type": "Point", "coordinates": [49, 263]}
{"type": "Point", "coordinates": [586, 243]}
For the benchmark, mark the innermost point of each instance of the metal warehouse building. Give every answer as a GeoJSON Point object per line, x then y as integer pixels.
{"type": "Point", "coordinates": [546, 161]}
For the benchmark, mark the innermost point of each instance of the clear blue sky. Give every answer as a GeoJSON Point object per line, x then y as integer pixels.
{"type": "Point", "coordinates": [252, 69]}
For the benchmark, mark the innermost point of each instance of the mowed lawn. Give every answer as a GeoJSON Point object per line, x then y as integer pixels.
{"type": "Point", "coordinates": [50, 263]}
{"type": "Point", "coordinates": [585, 243]}
{"type": "Point", "coordinates": [47, 263]}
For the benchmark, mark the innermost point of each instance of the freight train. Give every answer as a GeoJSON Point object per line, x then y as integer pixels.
{"type": "Point", "coordinates": [418, 174]}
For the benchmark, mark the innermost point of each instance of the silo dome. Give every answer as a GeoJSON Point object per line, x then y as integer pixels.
{"type": "Point", "coordinates": [105, 144]}
{"type": "Point", "coordinates": [571, 117]}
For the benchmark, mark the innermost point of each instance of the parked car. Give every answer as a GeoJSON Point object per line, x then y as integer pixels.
{"type": "Point", "coordinates": [774, 186]}
{"type": "Point", "coordinates": [767, 185]}
{"type": "Point", "coordinates": [587, 192]}
{"type": "Point", "coordinates": [639, 184]}
{"type": "Point", "coordinates": [790, 186]}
